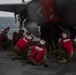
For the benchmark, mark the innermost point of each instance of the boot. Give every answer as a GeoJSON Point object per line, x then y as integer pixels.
{"type": "Point", "coordinates": [15, 56]}
{"type": "Point", "coordinates": [63, 61]}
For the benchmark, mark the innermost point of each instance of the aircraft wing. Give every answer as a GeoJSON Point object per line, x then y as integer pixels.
{"type": "Point", "coordinates": [16, 8]}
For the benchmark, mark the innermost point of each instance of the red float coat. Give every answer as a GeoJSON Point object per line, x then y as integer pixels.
{"type": "Point", "coordinates": [22, 43]}
{"type": "Point", "coordinates": [37, 53]}
{"type": "Point", "coordinates": [67, 44]}
{"type": "Point", "coordinates": [2, 35]}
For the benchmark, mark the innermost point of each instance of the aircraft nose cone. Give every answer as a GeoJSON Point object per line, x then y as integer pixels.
{"type": "Point", "coordinates": [32, 28]}
{"type": "Point", "coordinates": [67, 10]}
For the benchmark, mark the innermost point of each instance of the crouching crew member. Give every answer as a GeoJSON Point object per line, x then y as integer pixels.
{"type": "Point", "coordinates": [67, 51]}
{"type": "Point", "coordinates": [5, 42]}
{"type": "Point", "coordinates": [17, 36]}
{"type": "Point", "coordinates": [38, 54]}
{"type": "Point", "coordinates": [21, 48]}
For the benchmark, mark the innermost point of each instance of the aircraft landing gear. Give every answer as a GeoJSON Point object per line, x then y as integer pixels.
{"type": "Point", "coordinates": [20, 19]}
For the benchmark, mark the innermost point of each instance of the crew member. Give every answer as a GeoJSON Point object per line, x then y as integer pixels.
{"type": "Point", "coordinates": [67, 51]}
{"type": "Point", "coordinates": [5, 42]}
{"type": "Point", "coordinates": [17, 36]}
{"type": "Point", "coordinates": [37, 54]}
{"type": "Point", "coordinates": [21, 48]}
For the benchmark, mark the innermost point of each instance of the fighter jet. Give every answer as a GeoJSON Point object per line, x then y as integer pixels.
{"type": "Point", "coordinates": [40, 12]}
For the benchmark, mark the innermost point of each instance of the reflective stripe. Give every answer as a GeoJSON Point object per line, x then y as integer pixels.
{"type": "Point", "coordinates": [25, 40]}
{"type": "Point", "coordinates": [66, 40]}
{"type": "Point", "coordinates": [38, 48]}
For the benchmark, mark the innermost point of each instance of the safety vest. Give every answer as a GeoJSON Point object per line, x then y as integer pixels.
{"type": "Point", "coordinates": [67, 44]}
{"type": "Point", "coordinates": [37, 53]}
{"type": "Point", "coordinates": [2, 35]}
{"type": "Point", "coordinates": [22, 43]}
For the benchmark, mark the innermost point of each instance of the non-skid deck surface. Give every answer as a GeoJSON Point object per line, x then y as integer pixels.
{"type": "Point", "coordinates": [8, 67]}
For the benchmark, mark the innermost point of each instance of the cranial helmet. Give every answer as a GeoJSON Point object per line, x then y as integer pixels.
{"type": "Point", "coordinates": [64, 35]}
{"type": "Point", "coordinates": [42, 42]}
{"type": "Point", "coordinates": [29, 37]}
{"type": "Point", "coordinates": [7, 28]}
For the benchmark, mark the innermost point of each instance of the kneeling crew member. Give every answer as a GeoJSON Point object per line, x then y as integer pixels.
{"type": "Point", "coordinates": [67, 51]}
{"type": "Point", "coordinates": [38, 53]}
{"type": "Point", "coordinates": [21, 48]}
